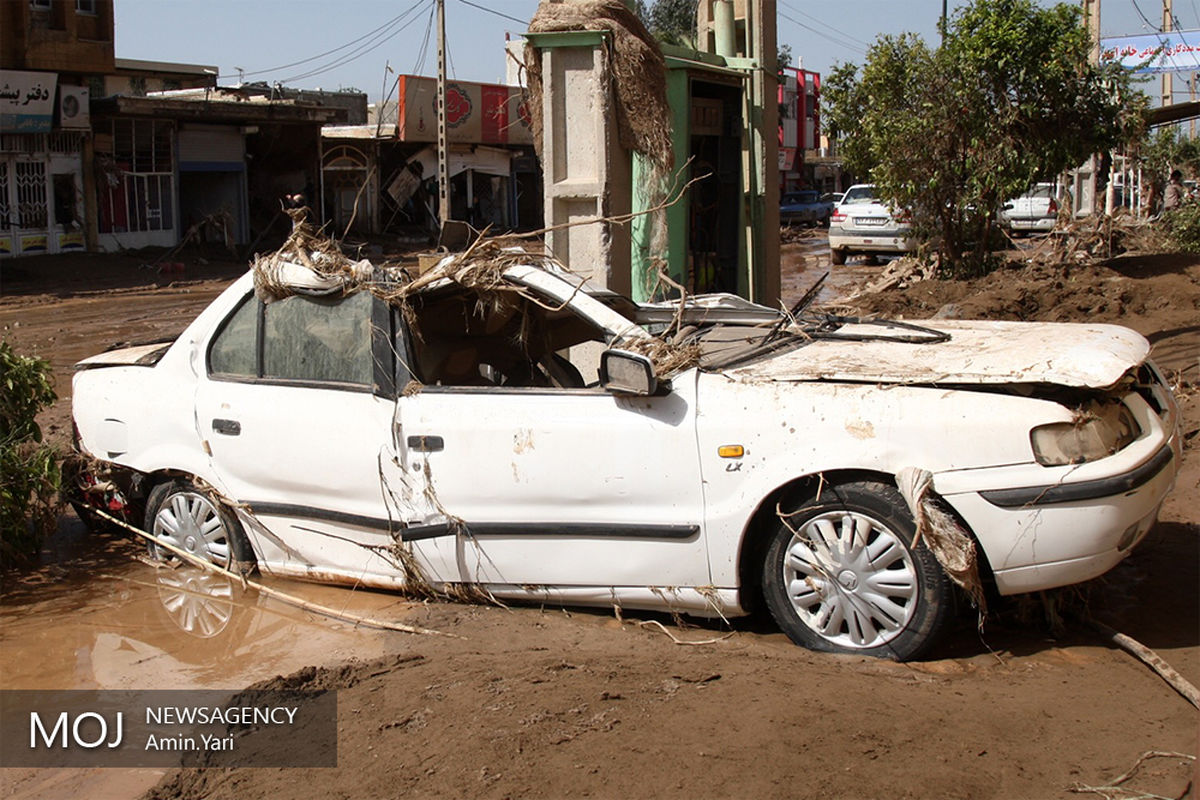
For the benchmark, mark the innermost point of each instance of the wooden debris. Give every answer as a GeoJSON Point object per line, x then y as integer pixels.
{"type": "Point", "coordinates": [290, 599]}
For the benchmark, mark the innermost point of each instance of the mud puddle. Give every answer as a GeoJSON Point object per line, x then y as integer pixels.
{"type": "Point", "coordinates": [140, 627]}
{"type": "Point", "coordinates": [803, 263]}
{"type": "Point", "coordinates": [103, 619]}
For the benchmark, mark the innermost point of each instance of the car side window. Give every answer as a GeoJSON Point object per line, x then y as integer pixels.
{"type": "Point", "coordinates": [235, 348]}
{"type": "Point", "coordinates": [314, 339]}
{"type": "Point", "coordinates": [298, 339]}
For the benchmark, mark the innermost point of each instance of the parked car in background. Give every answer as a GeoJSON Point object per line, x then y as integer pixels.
{"type": "Point", "coordinates": [804, 208]}
{"type": "Point", "coordinates": [833, 198]}
{"type": "Point", "coordinates": [1036, 211]}
{"type": "Point", "coordinates": [500, 426]}
{"type": "Point", "coordinates": [863, 225]}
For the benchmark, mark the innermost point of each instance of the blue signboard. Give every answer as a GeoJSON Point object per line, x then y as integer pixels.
{"type": "Point", "coordinates": [1171, 51]}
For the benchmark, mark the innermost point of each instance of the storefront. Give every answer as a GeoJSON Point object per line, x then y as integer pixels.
{"type": "Point", "coordinates": [42, 131]}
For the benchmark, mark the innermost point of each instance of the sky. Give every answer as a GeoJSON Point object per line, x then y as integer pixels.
{"type": "Point", "coordinates": [334, 44]}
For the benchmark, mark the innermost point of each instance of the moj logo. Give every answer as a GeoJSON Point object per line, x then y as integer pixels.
{"type": "Point", "coordinates": [89, 730]}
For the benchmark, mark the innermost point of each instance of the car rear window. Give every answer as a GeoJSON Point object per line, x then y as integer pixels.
{"type": "Point", "coordinates": [859, 194]}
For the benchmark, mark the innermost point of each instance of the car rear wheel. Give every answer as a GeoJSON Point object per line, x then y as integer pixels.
{"type": "Point", "coordinates": [841, 575]}
{"type": "Point", "coordinates": [185, 516]}
{"type": "Point", "coordinates": [837, 255]}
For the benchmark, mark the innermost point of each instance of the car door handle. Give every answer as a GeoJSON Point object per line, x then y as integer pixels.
{"type": "Point", "coordinates": [229, 427]}
{"type": "Point", "coordinates": [426, 444]}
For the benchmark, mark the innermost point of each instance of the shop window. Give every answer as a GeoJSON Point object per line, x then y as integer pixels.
{"type": "Point", "coordinates": [136, 161]}
{"type": "Point", "coordinates": [6, 220]}
{"type": "Point", "coordinates": [32, 213]}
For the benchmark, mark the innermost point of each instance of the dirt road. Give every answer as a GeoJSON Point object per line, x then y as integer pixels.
{"type": "Point", "coordinates": [548, 703]}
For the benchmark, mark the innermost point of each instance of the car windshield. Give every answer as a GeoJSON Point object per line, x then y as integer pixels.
{"type": "Point", "coordinates": [800, 197]}
{"type": "Point", "coordinates": [859, 194]}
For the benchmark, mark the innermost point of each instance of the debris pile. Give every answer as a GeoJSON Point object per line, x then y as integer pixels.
{"type": "Point", "coordinates": [1098, 238]}
{"type": "Point", "coordinates": [307, 263]}
{"type": "Point", "coordinates": [312, 264]}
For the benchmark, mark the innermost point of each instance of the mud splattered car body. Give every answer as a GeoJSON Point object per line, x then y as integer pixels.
{"type": "Point", "coordinates": [533, 442]}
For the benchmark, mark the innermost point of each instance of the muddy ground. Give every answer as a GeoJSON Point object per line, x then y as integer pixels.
{"type": "Point", "coordinates": [548, 703]}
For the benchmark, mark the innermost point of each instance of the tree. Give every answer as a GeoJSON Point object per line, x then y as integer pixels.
{"type": "Point", "coordinates": [1009, 96]}
{"type": "Point", "coordinates": [670, 21]}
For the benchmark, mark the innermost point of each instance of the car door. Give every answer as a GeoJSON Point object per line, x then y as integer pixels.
{"type": "Point", "coordinates": [295, 405]}
{"type": "Point", "coordinates": [561, 485]}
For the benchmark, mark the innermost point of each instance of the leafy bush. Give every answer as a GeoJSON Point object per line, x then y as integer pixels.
{"type": "Point", "coordinates": [28, 505]}
{"type": "Point", "coordinates": [1183, 227]}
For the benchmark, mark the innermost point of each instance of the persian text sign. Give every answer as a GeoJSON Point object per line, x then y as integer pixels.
{"type": "Point", "coordinates": [1172, 51]}
{"type": "Point", "coordinates": [27, 101]}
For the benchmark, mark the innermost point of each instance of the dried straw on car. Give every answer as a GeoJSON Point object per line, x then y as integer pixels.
{"type": "Point", "coordinates": [941, 533]}
{"type": "Point", "coordinates": [480, 267]}
{"type": "Point", "coordinates": [308, 247]}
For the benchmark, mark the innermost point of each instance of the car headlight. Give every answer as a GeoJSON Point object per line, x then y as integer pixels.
{"type": "Point", "coordinates": [1099, 430]}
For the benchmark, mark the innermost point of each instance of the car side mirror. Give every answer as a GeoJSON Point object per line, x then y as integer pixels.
{"type": "Point", "coordinates": [624, 372]}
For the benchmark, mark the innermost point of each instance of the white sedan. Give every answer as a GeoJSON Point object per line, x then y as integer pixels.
{"type": "Point", "coordinates": [863, 224]}
{"type": "Point", "coordinates": [542, 439]}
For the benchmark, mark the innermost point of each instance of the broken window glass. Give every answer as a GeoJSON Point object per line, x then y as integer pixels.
{"type": "Point", "coordinates": [315, 339]}
{"type": "Point", "coordinates": [463, 337]}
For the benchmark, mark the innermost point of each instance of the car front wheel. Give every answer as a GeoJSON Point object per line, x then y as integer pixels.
{"type": "Point", "coordinates": [841, 575]}
{"type": "Point", "coordinates": [185, 516]}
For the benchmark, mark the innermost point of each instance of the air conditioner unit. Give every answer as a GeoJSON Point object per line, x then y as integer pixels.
{"type": "Point", "coordinates": [73, 107]}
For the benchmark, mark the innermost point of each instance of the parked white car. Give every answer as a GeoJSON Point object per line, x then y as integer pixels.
{"type": "Point", "coordinates": [512, 437]}
{"type": "Point", "coordinates": [863, 225]}
{"type": "Point", "coordinates": [1036, 211]}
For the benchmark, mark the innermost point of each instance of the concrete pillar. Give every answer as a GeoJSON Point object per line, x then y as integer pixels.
{"type": "Point", "coordinates": [587, 173]}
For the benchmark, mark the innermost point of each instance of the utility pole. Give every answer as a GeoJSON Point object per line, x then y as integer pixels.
{"type": "Point", "coordinates": [1091, 18]}
{"type": "Point", "coordinates": [942, 24]}
{"type": "Point", "coordinates": [443, 155]}
{"type": "Point", "coordinates": [1168, 85]}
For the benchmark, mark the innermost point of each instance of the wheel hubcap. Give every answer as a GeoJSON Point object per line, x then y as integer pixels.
{"type": "Point", "coordinates": [198, 602]}
{"type": "Point", "coordinates": [850, 579]}
{"type": "Point", "coordinates": [191, 522]}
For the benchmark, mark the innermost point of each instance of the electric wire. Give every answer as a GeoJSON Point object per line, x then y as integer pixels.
{"type": "Point", "coordinates": [1158, 31]}
{"type": "Point", "coordinates": [821, 34]}
{"type": "Point", "coordinates": [494, 11]}
{"type": "Point", "coordinates": [351, 43]}
{"type": "Point", "coordinates": [840, 33]}
{"type": "Point", "coordinates": [423, 52]}
{"type": "Point", "coordinates": [357, 55]}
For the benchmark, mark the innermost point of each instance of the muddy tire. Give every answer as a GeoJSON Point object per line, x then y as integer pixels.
{"type": "Point", "coordinates": [837, 255]}
{"type": "Point", "coordinates": [840, 575]}
{"type": "Point", "coordinates": [188, 517]}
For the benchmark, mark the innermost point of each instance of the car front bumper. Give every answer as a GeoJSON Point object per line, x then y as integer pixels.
{"type": "Point", "coordinates": [1041, 527]}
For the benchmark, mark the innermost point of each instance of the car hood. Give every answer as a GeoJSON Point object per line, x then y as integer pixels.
{"type": "Point", "coordinates": [982, 352]}
{"type": "Point", "coordinates": [140, 355]}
